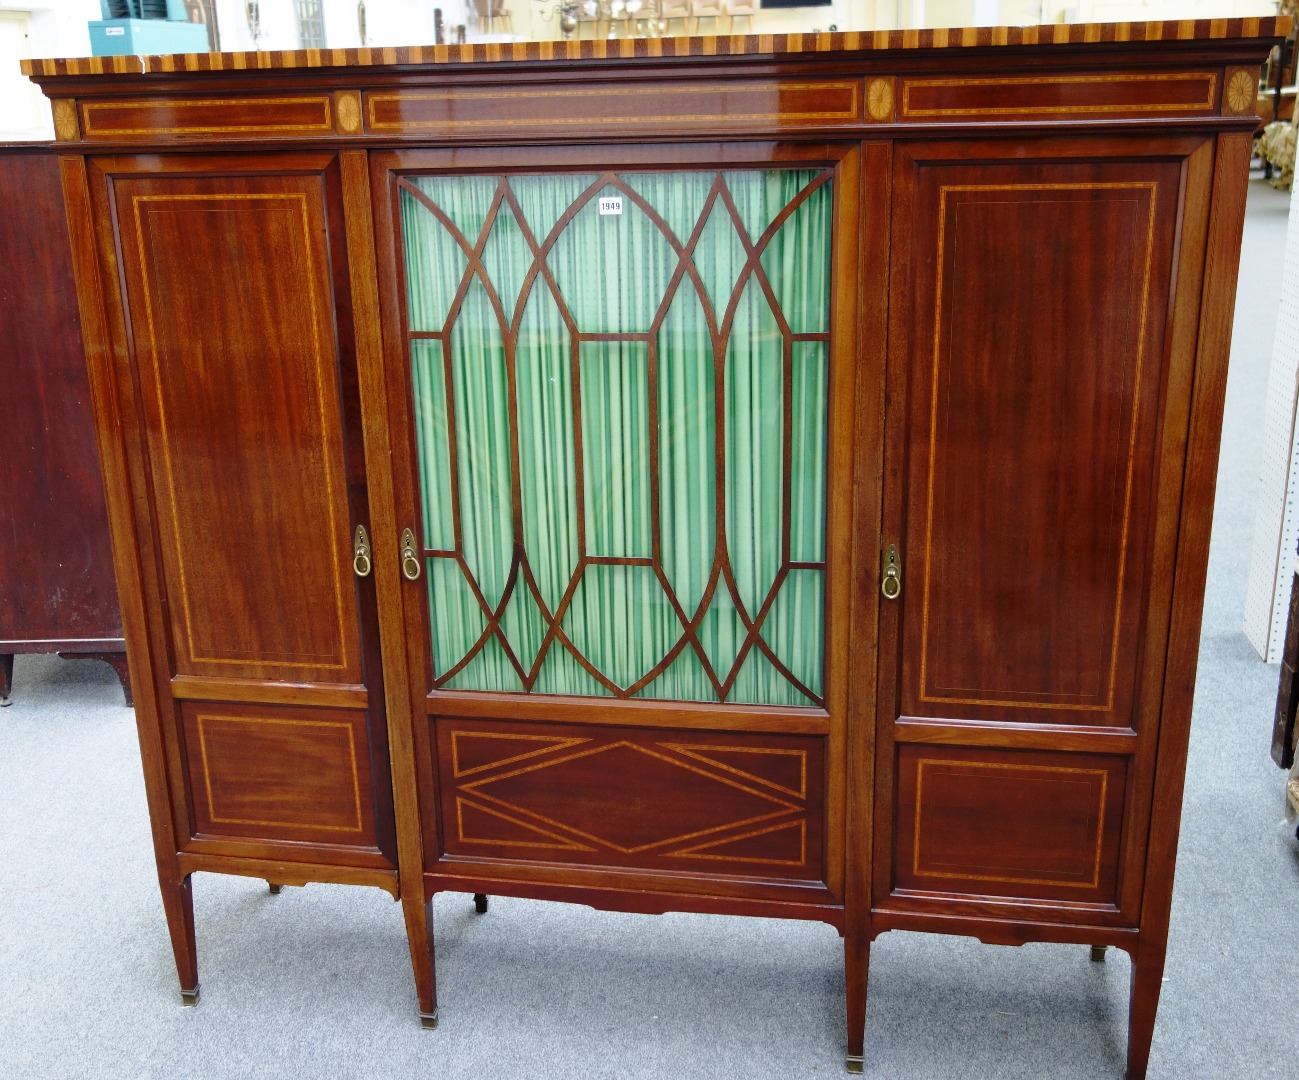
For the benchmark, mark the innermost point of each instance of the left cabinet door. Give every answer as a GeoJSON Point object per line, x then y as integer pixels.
{"type": "Point", "coordinates": [236, 328]}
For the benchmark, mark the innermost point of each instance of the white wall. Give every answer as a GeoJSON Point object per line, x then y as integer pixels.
{"type": "Point", "coordinates": [388, 22]}
{"type": "Point", "coordinates": [37, 28]}
{"type": "Point", "coordinates": [1138, 11]}
{"type": "Point", "coordinates": [1276, 521]}
{"type": "Point", "coordinates": [891, 14]}
{"type": "Point", "coordinates": [57, 27]}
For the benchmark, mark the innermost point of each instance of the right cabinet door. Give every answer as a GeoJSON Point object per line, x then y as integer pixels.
{"type": "Point", "coordinates": [1039, 364]}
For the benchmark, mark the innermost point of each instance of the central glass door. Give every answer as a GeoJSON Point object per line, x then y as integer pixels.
{"type": "Point", "coordinates": [619, 391]}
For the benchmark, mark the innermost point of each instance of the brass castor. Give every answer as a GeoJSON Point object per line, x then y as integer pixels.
{"type": "Point", "coordinates": [1098, 953]}
{"type": "Point", "coordinates": [275, 889]}
{"type": "Point", "coordinates": [189, 998]}
{"type": "Point", "coordinates": [480, 903]}
{"type": "Point", "coordinates": [855, 1064]}
{"type": "Point", "coordinates": [429, 1020]}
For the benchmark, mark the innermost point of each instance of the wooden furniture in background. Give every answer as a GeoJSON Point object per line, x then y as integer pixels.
{"type": "Point", "coordinates": [1287, 694]}
{"type": "Point", "coordinates": [57, 592]}
{"type": "Point", "coordinates": [957, 306]}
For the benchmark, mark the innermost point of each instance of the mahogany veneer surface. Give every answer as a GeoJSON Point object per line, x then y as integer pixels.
{"type": "Point", "coordinates": [57, 592]}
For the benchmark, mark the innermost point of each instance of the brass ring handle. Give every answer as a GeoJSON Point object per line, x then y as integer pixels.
{"type": "Point", "coordinates": [410, 564]}
{"type": "Point", "coordinates": [361, 561]}
{"type": "Point", "coordinates": [891, 585]}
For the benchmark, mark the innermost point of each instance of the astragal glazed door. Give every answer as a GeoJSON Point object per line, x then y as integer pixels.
{"type": "Point", "coordinates": [618, 404]}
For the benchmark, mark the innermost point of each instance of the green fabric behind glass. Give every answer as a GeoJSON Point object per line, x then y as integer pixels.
{"type": "Point", "coordinates": [508, 365]}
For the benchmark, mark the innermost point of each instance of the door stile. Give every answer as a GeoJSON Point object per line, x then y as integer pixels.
{"type": "Point", "coordinates": [409, 604]}
{"type": "Point", "coordinates": [844, 474]}
{"type": "Point", "coordinates": [393, 636]}
{"type": "Point", "coordinates": [110, 400]}
{"type": "Point", "coordinates": [873, 221]}
{"type": "Point", "coordinates": [137, 507]}
{"type": "Point", "coordinates": [1226, 224]}
{"type": "Point", "coordinates": [892, 470]}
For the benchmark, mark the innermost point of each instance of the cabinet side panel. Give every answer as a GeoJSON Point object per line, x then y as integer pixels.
{"type": "Point", "coordinates": [232, 316]}
{"type": "Point", "coordinates": [56, 574]}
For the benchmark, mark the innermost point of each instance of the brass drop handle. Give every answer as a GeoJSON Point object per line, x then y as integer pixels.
{"type": "Point", "coordinates": [361, 560]}
{"type": "Point", "coordinates": [410, 564]}
{"type": "Point", "coordinates": [891, 585]}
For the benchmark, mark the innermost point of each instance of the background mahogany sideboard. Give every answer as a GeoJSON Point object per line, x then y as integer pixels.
{"type": "Point", "coordinates": [57, 592]}
{"type": "Point", "coordinates": [763, 475]}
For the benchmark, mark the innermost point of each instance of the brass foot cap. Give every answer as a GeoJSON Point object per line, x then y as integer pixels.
{"type": "Point", "coordinates": [855, 1064]}
{"type": "Point", "coordinates": [275, 889]}
{"type": "Point", "coordinates": [1098, 953]}
{"type": "Point", "coordinates": [429, 1020]}
{"type": "Point", "coordinates": [189, 998]}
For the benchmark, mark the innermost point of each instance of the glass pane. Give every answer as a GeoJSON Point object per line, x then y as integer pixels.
{"type": "Point", "coordinates": [622, 438]}
{"type": "Point", "coordinates": [616, 468]}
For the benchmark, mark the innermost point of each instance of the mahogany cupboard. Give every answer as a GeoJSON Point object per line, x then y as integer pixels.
{"type": "Point", "coordinates": [56, 572]}
{"type": "Point", "coordinates": [764, 475]}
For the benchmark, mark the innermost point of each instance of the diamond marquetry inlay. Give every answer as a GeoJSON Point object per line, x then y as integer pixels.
{"type": "Point", "coordinates": [629, 798]}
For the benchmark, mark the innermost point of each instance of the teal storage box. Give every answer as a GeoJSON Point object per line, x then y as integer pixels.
{"type": "Point", "coordinates": [141, 37]}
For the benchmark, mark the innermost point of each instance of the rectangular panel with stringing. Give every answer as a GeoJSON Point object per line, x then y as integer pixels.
{"type": "Point", "coordinates": [1036, 380]}
{"type": "Point", "coordinates": [681, 800]}
{"type": "Point", "coordinates": [208, 118]}
{"type": "Point", "coordinates": [1009, 823]}
{"type": "Point", "coordinates": [280, 773]}
{"type": "Point", "coordinates": [1077, 96]}
{"type": "Point", "coordinates": [231, 304]}
{"type": "Point", "coordinates": [595, 106]}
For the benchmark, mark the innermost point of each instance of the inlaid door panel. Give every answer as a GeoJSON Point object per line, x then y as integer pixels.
{"type": "Point", "coordinates": [280, 773]}
{"type": "Point", "coordinates": [1041, 295]}
{"type": "Point", "coordinates": [1009, 824]}
{"type": "Point", "coordinates": [701, 802]}
{"type": "Point", "coordinates": [232, 315]}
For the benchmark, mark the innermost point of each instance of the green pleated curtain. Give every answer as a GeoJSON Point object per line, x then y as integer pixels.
{"type": "Point", "coordinates": [557, 404]}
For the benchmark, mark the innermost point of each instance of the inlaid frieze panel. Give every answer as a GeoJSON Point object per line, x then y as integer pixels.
{"type": "Point", "coordinates": [632, 797]}
{"type": "Point", "coordinates": [620, 393]}
{"type": "Point", "coordinates": [210, 118]}
{"type": "Point", "coordinates": [612, 106]}
{"type": "Point", "coordinates": [1077, 95]}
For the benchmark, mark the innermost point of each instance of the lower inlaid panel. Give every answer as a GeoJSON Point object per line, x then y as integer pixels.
{"type": "Point", "coordinates": [714, 803]}
{"type": "Point", "coordinates": [1009, 823]}
{"type": "Point", "coordinates": [280, 773]}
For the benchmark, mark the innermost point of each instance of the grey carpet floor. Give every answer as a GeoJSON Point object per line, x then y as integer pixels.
{"type": "Point", "coordinates": [315, 982]}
